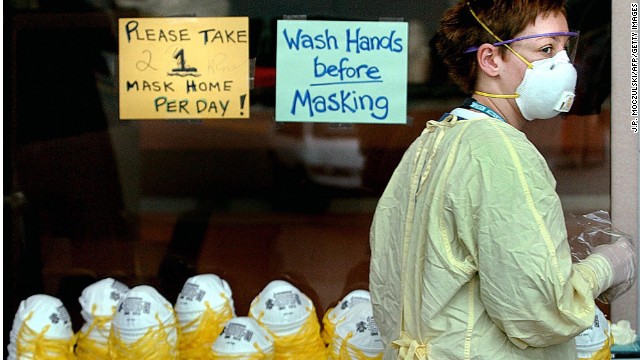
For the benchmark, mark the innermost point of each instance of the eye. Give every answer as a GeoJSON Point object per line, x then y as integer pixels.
{"type": "Point", "coordinates": [547, 49]}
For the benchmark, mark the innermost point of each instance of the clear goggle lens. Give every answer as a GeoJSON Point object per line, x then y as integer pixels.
{"type": "Point", "coordinates": [570, 38]}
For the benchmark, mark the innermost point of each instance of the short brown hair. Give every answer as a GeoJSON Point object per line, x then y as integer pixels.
{"type": "Point", "coordinates": [459, 30]}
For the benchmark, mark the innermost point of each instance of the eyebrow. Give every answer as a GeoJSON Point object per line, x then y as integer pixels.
{"type": "Point", "coordinates": [552, 38]}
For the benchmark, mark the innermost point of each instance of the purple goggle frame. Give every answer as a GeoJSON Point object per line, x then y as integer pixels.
{"type": "Point", "coordinates": [551, 34]}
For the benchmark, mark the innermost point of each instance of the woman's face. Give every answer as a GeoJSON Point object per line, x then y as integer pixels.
{"type": "Point", "coordinates": [536, 48]}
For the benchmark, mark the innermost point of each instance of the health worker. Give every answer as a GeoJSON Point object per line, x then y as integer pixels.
{"type": "Point", "coordinates": [469, 250]}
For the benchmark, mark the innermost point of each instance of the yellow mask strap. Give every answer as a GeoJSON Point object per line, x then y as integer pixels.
{"type": "Point", "coordinates": [91, 348]}
{"type": "Point", "coordinates": [30, 342]}
{"type": "Point", "coordinates": [307, 340]}
{"type": "Point", "coordinates": [499, 96]}
{"type": "Point", "coordinates": [346, 347]}
{"type": "Point", "coordinates": [155, 344]}
{"type": "Point", "coordinates": [196, 344]}
{"type": "Point", "coordinates": [327, 326]}
{"type": "Point", "coordinates": [529, 65]}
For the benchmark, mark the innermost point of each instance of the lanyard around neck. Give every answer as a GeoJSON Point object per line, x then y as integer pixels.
{"type": "Point", "coordinates": [471, 103]}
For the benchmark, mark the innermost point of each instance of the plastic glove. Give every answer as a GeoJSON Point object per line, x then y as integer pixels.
{"type": "Point", "coordinates": [622, 333]}
{"type": "Point", "coordinates": [622, 257]}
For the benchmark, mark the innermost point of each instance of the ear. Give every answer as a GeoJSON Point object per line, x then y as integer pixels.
{"type": "Point", "coordinates": [488, 59]}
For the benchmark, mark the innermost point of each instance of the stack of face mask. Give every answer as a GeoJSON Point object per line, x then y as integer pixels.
{"type": "Point", "coordinates": [290, 317]}
{"type": "Point", "coordinates": [356, 335]}
{"type": "Point", "coordinates": [595, 342]}
{"type": "Point", "coordinates": [98, 302]}
{"type": "Point", "coordinates": [333, 315]}
{"type": "Point", "coordinates": [243, 338]}
{"type": "Point", "coordinates": [41, 330]}
{"type": "Point", "coordinates": [144, 327]}
{"type": "Point", "coordinates": [203, 306]}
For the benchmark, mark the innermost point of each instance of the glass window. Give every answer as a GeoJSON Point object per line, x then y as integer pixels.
{"type": "Point", "coordinates": [88, 196]}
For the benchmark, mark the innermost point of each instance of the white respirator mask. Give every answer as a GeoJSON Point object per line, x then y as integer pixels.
{"type": "Point", "coordinates": [548, 88]}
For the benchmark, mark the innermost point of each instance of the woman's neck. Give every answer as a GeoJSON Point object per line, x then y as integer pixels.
{"type": "Point", "coordinates": [507, 108]}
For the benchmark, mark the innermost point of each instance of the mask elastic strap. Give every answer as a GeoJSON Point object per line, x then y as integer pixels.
{"type": "Point", "coordinates": [499, 96]}
{"type": "Point", "coordinates": [529, 65]}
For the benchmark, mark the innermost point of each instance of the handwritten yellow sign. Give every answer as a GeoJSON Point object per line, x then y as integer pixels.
{"type": "Point", "coordinates": [184, 68]}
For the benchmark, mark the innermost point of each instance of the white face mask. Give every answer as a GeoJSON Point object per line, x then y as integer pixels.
{"type": "Point", "coordinates": [547, 88]}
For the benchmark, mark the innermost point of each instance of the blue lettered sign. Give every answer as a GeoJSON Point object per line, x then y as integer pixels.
{"type": "Point", "coordinates": [341, 71]}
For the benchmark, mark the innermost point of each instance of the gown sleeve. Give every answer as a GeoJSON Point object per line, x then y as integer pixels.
{"type": "Point", "coordinates": [528, 284]}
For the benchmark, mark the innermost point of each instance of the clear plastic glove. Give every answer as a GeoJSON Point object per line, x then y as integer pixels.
{"type": "Point", "coordinates": [622, 333]}
{"type": "Point", "coordinates": [592, 231]}
{"type": "Point", "coordinates": [622, 257]}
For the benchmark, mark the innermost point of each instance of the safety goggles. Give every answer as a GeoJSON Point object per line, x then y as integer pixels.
{"type": "Point", "coordinates": [570, 45]}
